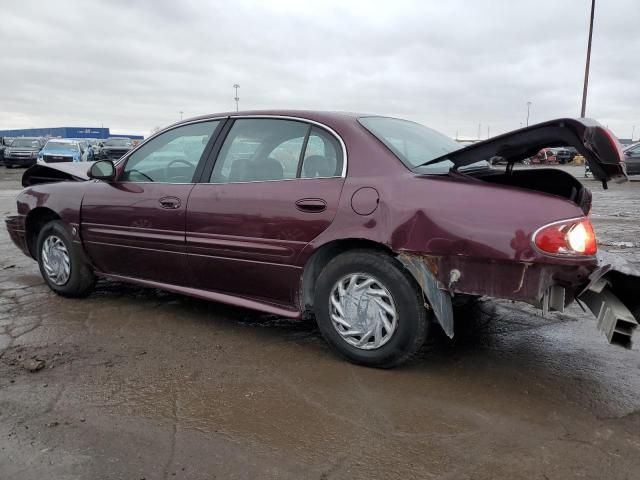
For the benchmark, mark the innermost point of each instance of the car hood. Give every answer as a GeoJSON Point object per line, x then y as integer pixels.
{"type": "Point", "coordinates": [65, 153]}
{"type": "Point", "coordinates": [59, 172]}
{"type": "Point", "coordinates": [22, 149]}
{"type": "Point", "coordinates": [595, 142]}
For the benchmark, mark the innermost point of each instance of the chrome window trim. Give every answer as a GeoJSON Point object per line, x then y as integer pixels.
{"type": "Point", "coordinates": [166, 129]}
{"type": "Point", "coordinates": [240, 116]}
{"type": "Point", "coordinates": [304, 120]}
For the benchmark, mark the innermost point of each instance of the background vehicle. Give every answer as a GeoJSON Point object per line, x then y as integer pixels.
{"type": "Point", "coordinates": [86, 147]}
{"type": "Point", "coordinates": [358, 220]}
{"type": "Point", "coordinates": [632, 159]}
{"type": "Point", "coordinates": [544, 156]}
{"type": "Point", "coordinates": [23, 151]}
{"type": "Point", "coordinates": [115, 147]}
{"type": "Point", "coordinates": [564, 154]}
{"type": "Point", "coordinates": [61, 150]}
{"type": "Point", "coordinates": [4, 142]}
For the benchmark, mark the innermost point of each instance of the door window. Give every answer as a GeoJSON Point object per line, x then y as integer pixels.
{"type": "Point", "coordinates": [272, 149]}
{"type": "Point", "coordinates": [635, 152]}
{"type": "Point", "coordinates": [171, 157]}
{"type": "Point", "coordinates": [323, 156]}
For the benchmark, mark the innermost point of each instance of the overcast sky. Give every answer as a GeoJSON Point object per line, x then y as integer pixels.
{"type": "Point", "coordinates": [449, 64]}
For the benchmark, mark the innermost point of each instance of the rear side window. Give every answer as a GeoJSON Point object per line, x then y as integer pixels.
{"type": "Point", "coordinates": [322, 157]}
{"type": "Point", "coordinates": [259, 149]}
{"type": "Point", "coordinates": [411, 142]}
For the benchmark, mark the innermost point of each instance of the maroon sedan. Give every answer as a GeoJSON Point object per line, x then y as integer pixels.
{"type": "Point", "coordinates": [372, 224]}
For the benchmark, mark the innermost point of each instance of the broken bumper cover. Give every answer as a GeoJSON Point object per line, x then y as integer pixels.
{"type": "Point", "coordinates": [609, 291]}
{"type": "Point", "coordinates": [613, 296]}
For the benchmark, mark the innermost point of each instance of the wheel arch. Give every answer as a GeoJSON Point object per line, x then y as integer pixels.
{"type": "Point", "coordinates": [323, 255]}
{"type": "Point", "coordinates": [36, 219]}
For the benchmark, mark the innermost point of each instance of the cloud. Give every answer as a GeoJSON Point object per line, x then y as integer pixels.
{"type": "Point", "coordinates": [451, 65]}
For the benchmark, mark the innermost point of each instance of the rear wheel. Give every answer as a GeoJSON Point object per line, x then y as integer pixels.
{"type": "Point", "coordinates": [370, 310]}
{"type": "Point", "coordinates": [62, 264]}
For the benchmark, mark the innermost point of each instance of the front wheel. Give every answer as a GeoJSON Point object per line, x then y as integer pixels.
{"type": "Point", "coordinates": [370, 310]}
{"type": "Point", "coordinates": [62, 263]}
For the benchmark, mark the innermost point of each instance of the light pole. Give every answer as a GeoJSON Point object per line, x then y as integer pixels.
{"type": "Point", "coordinates": [181, 112]}
{"type": "Point", "coordinates": [528, 111]}
{"type": "Point", "coordinates": [633, 130]}
{"type": "Point", "coordinates": [586, 68]}
{"type": "Point", "coordinates": [236, 98]}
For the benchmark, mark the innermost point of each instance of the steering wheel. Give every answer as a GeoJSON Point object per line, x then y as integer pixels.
{"type": "Point", "coordinates": [167, 175]}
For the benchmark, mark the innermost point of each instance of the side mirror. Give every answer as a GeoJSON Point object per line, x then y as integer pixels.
{"type": "Point", "coordinates": [102, 170]}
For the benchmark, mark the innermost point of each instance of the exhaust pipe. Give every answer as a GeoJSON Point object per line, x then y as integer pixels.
{"type": "Point", "coordinates": [615, 320]}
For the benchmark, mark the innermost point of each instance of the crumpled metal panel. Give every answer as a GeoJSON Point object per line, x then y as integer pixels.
{"type": "Point", "coordinates": [439, 300]}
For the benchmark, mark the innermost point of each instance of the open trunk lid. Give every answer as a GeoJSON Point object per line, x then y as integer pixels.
{"type": "Point", "coordinates": [596, 143]}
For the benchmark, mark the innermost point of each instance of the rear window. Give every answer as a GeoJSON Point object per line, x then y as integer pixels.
{"type": "Point", "coordinates": [411, 142]}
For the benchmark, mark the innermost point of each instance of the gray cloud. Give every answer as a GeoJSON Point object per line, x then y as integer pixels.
{"type": "Point", "coordinates": [451, 65]}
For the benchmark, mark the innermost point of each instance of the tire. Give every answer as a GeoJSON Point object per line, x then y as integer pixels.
{"type": "Point", "coordinates": [80, 280]}
{"type": "Point", "coordinates": [403, 296]}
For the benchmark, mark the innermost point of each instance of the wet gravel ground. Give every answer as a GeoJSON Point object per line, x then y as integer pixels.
{"type": "Point", "coordinates": [136, 383]}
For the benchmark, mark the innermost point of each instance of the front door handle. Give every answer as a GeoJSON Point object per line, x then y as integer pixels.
{"type": "Point", "coordinates": [313, 205]}
{"type": "Point", "coordinates": [170, 203]}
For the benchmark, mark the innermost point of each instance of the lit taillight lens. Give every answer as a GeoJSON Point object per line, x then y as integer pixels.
{"type": "Point", "coordinates": [567, 237]}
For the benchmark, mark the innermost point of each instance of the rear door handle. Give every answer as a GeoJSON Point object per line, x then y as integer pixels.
{"type": "Point", "coordinates": [313, 205]}
{"type": "Point", "coordinates": [170, 203]}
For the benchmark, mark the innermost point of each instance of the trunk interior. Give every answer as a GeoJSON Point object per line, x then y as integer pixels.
{"type": "Point", "coordinates": [547, 180]}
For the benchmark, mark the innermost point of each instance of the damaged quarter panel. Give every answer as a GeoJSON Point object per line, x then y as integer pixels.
{"type": "Point", "coordinates": [473, 237]}
{"type": "Point", "coordinates": [484, 233]}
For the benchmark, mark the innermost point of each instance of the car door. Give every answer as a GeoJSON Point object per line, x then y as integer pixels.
{"type": "Point", "coordinates": [135, 226]}
{"type": "Point", "coordinates": [271, 187]}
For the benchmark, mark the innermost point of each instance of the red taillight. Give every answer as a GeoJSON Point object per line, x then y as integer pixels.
{"type": "Point", "coordinates": [567, 237]}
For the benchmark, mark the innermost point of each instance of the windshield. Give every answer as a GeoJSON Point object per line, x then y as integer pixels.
{"type": "Point", "coordinates": [60, 146]}
{"type": "Point", "coordinates": [411, 142]}
{"type": "Point", "coordinates": [118, 142]}
{"type": "Point", "coordinates": [25, 143]}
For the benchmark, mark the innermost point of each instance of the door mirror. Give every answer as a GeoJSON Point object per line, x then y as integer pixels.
{"type": "Point", "coordinates": [102, 170]}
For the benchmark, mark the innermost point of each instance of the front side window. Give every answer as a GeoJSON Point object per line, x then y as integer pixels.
{"type": "Point", "coordinates": [171, 157]}
{"type": "Point", "coordinates": [272, 149]}
{"type": "Point", "coordinates": [411, 142]}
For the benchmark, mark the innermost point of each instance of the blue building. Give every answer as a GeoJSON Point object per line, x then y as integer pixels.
{"type": "Point", "coordinates": [66, 132]}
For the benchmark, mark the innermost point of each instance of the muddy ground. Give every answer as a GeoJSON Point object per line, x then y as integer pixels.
{"type": "Point", "coordinates": [137, 383]}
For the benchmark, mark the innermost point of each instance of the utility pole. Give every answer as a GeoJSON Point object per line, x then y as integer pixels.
{"type": "Point", "coordinates": [236, 98]}
{"type": "Point", "coordinates": [633, 130]}
{"type": "Point", "coordinates": [528, 111]}
{"type": "Point", "coordinates": [479, 128]}
{"type": "Point", "coordinates": [488, 131]}
{"type": "Point", "coordinates": [181, 112]}
{"type": "Point", "coordinates": [586, 68]}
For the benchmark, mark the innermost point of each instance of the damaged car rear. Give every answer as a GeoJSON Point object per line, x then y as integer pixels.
{"type": "Point", "coordinates": [372, 225]}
